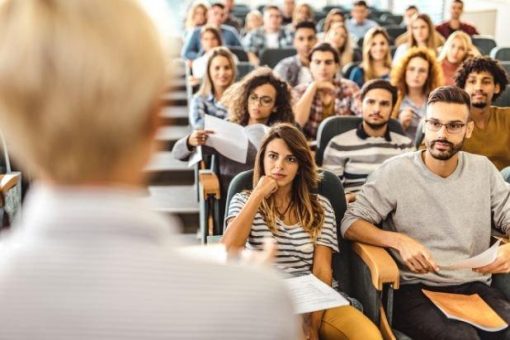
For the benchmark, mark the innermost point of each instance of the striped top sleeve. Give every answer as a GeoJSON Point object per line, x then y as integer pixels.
{"type": "Point", "coordinates": [295, 246]}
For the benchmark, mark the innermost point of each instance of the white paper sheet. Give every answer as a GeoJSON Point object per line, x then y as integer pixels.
{"type": "Point", "coordinates": [195, 157]}
{"type": "Point", "coordinates": [228, 138]}
{"type": "Point", "coordinates": [256, 133]}
{"type": "Point", "coordinates": [309, 294]}
{"type": "Point", "coordinates": [477, 261]}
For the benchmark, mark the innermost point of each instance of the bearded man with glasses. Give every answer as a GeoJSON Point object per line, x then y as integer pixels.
{"type": "Point", "coordinates": [432, 208]}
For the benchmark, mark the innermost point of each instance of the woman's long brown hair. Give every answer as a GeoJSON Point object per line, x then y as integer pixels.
{"type": "Point", "coordinates": [305, 205]}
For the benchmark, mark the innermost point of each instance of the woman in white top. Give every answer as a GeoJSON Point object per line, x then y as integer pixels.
{"type": "Point", "coordinates": [282, 207]}
{"type": "Point", "coordinates": [210, 37]}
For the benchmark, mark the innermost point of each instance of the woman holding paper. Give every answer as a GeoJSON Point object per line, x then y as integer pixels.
{"type": "Point", "coordinates": [282, 207]}
{"type": "Point", "coordinates": [260, 98]}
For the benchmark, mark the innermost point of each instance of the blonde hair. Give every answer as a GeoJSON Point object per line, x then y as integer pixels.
{"type": "Point", "coordinates": [346, 52]}
{"type": "Point", "coordinates": [367, 63]}
{"type": "Point", "coordinates": [207, 86]}
{"type": "Point", "coordinates": [78, 80]}
{"type": "Point", "coordinates": [252, 13]}
{"type": "Point", "coordinates": [471, 50]}
{"type": "Point", "coordinates": [311, 14]}
{"type": "Point", "coordinates": [190, 19]}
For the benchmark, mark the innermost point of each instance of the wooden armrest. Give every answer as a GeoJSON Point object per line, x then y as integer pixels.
{"type": "Point", "coordinates": [503, 239]}
{"type": "Point", "coordinates": [209, 183]}
{"type": "Point", "coordinates": [385, 327]}
{"type": "Point", "coordinates": [383, 268]}
{"type": "Point", "coordinates": [8, 181]}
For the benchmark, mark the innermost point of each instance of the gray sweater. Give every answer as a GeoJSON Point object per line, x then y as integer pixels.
{"type": "Point", "coordinates": [451, 216]}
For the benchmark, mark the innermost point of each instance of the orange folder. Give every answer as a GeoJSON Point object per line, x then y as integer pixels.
{"type": "Point", "coordinates": [467, 308]}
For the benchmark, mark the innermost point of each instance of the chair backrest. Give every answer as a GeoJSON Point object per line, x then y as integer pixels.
{"type": "Point", "coordinates": [332, 126]}
{"type": "Point", "coordinates": [357, 55]}
{"type": "Point", "coordinates": [501, 53]}
{"type": "Point", "coordinates": [391, 19]}
{"type": "Point", "coordinates": [272, 56]}
{"type": "Point", "coordinates": [485, 44]}
{"type": "Point", "coordinates": [243, 68]}
{"type": "Point", "coordinates": [239, 52]}
{"type": "Point", "coordinates": [395, 30]}
{"type": "Point", "coordinates": [331, 188]}
{"type": "Point", "coordinates": [418, 138]}
{"type": "Point", "coordinates": [348, 68]}
{"type": "Point", "coordinates": [506, 66]}
{"type": "Point", "coordinates": [504, 98]}
{"type": "Point", "coordinates": [240, 10]}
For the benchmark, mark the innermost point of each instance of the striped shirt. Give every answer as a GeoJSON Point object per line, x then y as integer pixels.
{"type": "Point", "coordinates": [353, 155]}
{"type": "Point", "coordinates": [295, 246]}
{"type": "Point", "coordinates": [97, 264]}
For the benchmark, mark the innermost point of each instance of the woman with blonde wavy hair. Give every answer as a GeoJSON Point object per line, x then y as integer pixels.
{"type": "Point", "coordinates": [338, 36]}
{"type": "Point", "coordinates": [197, 16]}
{"type": "Point", "coordinates": [259, 98]}
{"type": "Point", "coordinates": [457, 48]}
{"type": "Point", "coordinates": [415, 75]}
{"type": "Point", "coordinates": [376, 62]}
{"type": "Point", "coordinates": [220, 73]}
{"type": "Point", "coordinates": [283, 208]}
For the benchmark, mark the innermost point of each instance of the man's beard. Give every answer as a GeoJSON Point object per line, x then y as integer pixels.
{"type": "Point", "coordinates": [376, 126]}
{"type": "Point", "coordinates": [444, 155]}
{"type": "Point", "coordinates": [479, 105]}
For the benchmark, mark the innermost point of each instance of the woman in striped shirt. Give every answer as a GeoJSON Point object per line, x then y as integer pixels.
{"type": "Point", "coordinates": [281, 206]}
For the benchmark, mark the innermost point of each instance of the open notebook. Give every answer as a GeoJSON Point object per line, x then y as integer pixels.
{"type": "Point", "coordinates": [467, 308]}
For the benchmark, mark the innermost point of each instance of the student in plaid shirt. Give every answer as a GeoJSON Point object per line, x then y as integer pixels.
{"type": "Point", "coordinates": [324, 96]}
{"type": "Point", "coordinates": [271, 35]}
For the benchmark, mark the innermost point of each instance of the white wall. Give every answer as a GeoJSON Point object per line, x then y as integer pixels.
{"type": "Point", "coordinates": [492, 17]}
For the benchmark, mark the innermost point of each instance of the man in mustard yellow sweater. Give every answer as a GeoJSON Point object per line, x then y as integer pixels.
{"type": "Point", "coordinates": [484, 79]}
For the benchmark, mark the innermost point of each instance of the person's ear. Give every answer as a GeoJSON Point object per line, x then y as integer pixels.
{"type": "Point", "coordinates": [497, 89]}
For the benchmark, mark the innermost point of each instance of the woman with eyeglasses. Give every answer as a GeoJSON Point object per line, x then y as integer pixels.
{"type": "Point", "coordinates": [415, 75]}
{"type": "Point", "coordinates": [283, 208]}
{"type": "Point", "coordinates": [259, 98]}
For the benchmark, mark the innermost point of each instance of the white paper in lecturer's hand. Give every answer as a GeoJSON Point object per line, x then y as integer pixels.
{"type": "Point", "coordinates": [309, 294]}
{"type": "Point", "coordinates": [228, 138]}
{"type": "Point", "coordinates": [477, 261]}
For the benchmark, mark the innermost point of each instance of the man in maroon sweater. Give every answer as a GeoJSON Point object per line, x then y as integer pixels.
{"type": "Point", "coordinates": [448, 27]}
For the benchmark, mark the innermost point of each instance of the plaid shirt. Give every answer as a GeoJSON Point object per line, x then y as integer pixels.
{"type": "Point", "coordinates": [205, 105]}
{"type": "Point", "coordinates": [346, 97]}
{"type": "Point", "coordinates": [255, 41]}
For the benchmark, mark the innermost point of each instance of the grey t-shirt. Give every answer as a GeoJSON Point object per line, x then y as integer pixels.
{"type": "Point", "coordinates": [451, 216]}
